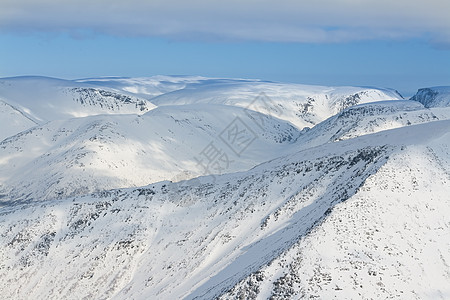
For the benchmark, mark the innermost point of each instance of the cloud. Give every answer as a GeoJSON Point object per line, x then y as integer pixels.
{"type": "Point", "coordinates": [306, 21]}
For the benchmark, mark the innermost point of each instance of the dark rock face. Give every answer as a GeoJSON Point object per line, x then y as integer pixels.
{"type": "Point", "coordinates": [106, 99]}
{"type": "Point", "coordinates": [425, 96]}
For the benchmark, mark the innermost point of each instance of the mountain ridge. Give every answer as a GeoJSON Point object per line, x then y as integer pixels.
{"type": "Point", "coordinates": [354, 207]}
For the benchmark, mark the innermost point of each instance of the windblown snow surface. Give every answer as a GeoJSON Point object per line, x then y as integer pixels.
{"type": "Point", "coordinates": [196, 188]}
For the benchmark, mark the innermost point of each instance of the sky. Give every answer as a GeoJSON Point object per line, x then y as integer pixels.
{"type": "Point", "coordinates": [398, 44]}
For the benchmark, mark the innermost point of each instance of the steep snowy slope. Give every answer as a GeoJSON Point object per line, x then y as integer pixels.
{"type": "Point", "coordinates": [369, 118]}
{"type": "Point", "coordinates": [12, 121]}
{"type": "Point", "coordinates": [302, 105]}
{"type": "Point", "coordinates": [44, 99]}
{"type": "Point", "coordinates": [83, 155]}
{"type": "Point", "coordinates": [433, 97]}
{"type": "Point", "coordinates": [199, 238]}
{"type": "Point", "coordinates": [389, 240]}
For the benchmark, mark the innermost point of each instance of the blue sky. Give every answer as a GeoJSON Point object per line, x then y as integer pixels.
{"type": "Point", "coordinates": [341, 42]}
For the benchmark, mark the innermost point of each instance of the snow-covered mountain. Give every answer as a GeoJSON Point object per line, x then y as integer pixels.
{"type": "Point", "coordinates": [83, 155]}
{"type": "Point", "coordinates": [433, 97]}
{"type": "Point", "coordinates": [45, 99]}
{"type": "Point", "coordinates": [199, 239]}
{"type": "Point", "coordinates": [144, 87]}
{"type": "Point", "coordinates": [302, 105]}
{"type": "Point", "coordinates": [77, 149]}
{"type": "Point", "coordinates": [355, 206]}
{"type": "Point", "coordinates": [369, 118]}
{"type": "Point", "coordinates": [388, 240]}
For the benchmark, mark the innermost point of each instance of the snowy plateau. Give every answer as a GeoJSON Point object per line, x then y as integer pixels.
{"type": "Point", "coordinates": [186, 187]}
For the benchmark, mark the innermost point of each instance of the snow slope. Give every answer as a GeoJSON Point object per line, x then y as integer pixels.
{"type": "Point", "coordinates": [199, 238]}
{"type": "Point", "coordinates": [143, 87]}
{"type": "Point", "coordinates": [302, 105]}
{"type": "Point", "coordinates": [369, 118]}
{"type": "Point", "coordinates": [389, 240]}
{"type": "Point", "coordinates": [67, 156]}
{"type": "Point", "coordinates": [83, 155]}
{"type": "Point", "coordinates": [45, 99]}
{"type": "Point", "coordinates": [12, 120]}
{"type": "Point", "coordinates": [355, 207]}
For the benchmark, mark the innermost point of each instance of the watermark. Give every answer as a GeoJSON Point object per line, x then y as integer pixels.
{"type": "Point", "coordinates": [213, 159]}
{"type": "Point", "coordinates": [228, 147]}
{"type": "Point", "coordinates": [265, 106]}
{"type": "Point", "coordinates": [238, 136]}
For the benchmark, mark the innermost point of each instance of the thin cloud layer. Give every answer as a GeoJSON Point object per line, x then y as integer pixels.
{"type": "Point", "coordinates": [307, 21]}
